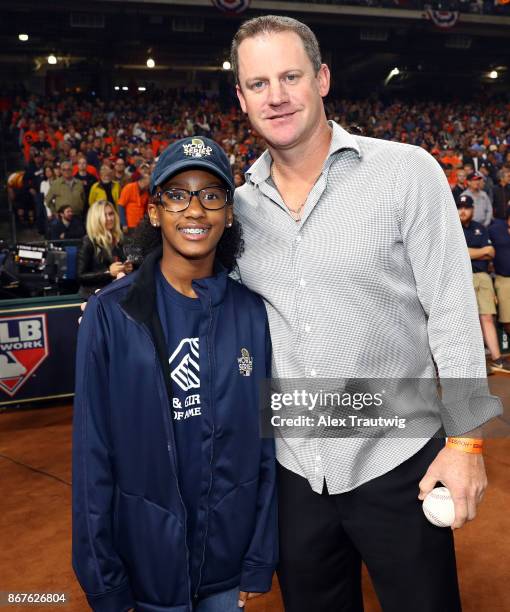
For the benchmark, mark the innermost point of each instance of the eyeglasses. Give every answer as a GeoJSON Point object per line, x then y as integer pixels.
{"type": "Point", "coordinates": [177, 200]}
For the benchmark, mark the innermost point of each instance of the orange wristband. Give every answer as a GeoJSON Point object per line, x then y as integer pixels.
{"type": "Point", "coordinates": [466, 445]}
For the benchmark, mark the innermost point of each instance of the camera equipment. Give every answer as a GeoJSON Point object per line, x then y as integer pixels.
{"type": "Point", "coordinates": [28, 270]}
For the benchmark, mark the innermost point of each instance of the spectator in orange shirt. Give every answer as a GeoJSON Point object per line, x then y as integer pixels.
{"type": "Point", "coordinates": [133, 203]}
{"type": "Point", "coordinates": [448, 170]}
{"type": "Point", "coordinates": [156, 145]}
{"type": "Point", "coordinates": [450, 157]}
{"type": "Point", "coordinates": [29, 138]}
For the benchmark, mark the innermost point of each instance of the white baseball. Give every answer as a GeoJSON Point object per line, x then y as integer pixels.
{"type": "Point", "coordinates": [438, 507]}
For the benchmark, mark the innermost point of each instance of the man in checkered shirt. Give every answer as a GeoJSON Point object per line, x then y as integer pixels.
{"type": "Point", "coordinates": [356, 247]}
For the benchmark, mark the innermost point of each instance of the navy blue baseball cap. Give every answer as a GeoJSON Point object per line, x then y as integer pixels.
{"type": "Point", "coordinates": [194, 152]}
{"type": "Point", "coordinates": [465, 201]}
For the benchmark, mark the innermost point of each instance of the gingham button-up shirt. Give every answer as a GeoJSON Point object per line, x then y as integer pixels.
{"type": "Point", "coordinates": [373, 282]}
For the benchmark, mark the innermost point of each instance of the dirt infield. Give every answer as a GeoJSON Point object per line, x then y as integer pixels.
{"type": "Point", "coordinates": [35, 520]}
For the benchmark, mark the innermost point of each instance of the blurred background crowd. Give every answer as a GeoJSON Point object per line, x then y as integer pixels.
{"type": "Point", "coordinates": [78, 150]}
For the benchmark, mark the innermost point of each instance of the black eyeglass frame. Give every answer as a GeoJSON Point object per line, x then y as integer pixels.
{"type": "Point", "coordinates": [196, 193]}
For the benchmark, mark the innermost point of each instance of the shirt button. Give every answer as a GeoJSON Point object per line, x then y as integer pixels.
{"type": "Point", "coordinates": [313, 373]}
{"type": "Point", "coordinates": [298, 238]}
{"type": "Point", "coordinates": [308, 328]}
{"type": "Point", "coordinates": [318, 458]}
{"type": "Point", "coordinates": [302, 282]}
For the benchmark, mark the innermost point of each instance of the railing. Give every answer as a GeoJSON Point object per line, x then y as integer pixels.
{"type": "Point", "coordinates": [475, 7]}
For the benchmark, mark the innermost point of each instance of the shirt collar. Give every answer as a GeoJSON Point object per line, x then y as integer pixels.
{"type": "Point", "coordinates": [140, 300]}
{"type": "Point", "coordinates": [340, 140]}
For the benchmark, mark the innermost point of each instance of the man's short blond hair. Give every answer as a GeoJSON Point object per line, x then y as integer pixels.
{"type": "Point", "coordinates": [273, 24]}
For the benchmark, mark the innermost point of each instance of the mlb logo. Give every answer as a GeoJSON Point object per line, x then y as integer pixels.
{"type": "Point", "coordinates": [23, 347]}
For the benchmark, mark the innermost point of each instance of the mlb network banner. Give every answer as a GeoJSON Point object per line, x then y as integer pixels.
{"type": "Point", "coordinates": [37, 352]}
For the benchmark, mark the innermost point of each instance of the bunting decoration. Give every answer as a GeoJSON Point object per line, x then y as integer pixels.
{"type": "Point", "coordinates": [443, 19]}
{"type": "Point", "coordinates": [232, 7]}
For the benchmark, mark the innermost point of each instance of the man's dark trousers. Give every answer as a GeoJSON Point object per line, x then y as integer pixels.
{"type": "Point", "coordinates": [324, 538]}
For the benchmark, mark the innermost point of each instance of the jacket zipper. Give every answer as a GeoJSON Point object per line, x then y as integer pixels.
{"type": "Point", "coordinates": [173, 458]}
{"type": "Point", "coordinates": [210, 359]}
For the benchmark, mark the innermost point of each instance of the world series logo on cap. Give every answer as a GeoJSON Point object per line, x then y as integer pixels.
{"type": "Point", "coordinates": [245, 363]}
{"type": "Point", "coordinates": [196, 148]}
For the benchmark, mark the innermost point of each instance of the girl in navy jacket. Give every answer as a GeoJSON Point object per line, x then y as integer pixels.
{"type": "Point", "coordinates": [174, 504]}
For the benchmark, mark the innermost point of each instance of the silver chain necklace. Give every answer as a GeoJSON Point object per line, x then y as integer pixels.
{"type": "Point", "coordinates": [295, 214]}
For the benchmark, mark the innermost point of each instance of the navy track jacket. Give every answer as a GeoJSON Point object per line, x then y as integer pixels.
{"type": "Point", "coordinates": [129, 522]}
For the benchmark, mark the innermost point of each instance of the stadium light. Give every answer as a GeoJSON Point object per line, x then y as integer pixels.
{"type": "Point", "coordinates": [117, 88]}
{"type": "Point", "coordinates": [52, 59]}
{"type": "Point", "coordinates": [226, 65]}
{"type": "Point", "coordinates": [393, 72]}
{"type": "Point", "coordinates": [23, 37]}
{"type": "Point", "coordinates": [142, 89]}
{"type": "Point", "coordinates": [493, 74]}
{"type": "Point", "coordinates": [125, 88]}
{"type": "Point", "coordinates": [151, 63]}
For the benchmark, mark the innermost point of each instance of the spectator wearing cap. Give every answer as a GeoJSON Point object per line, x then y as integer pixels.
{"type": "Point", "coordinates": [140, 168]}
{"type": "Point", "coordinates": [192, 191]}
{"type": "Point", "coordinates": [481, 203]}
{"type": "Point", "coordinates": [481, 253]}
{"type": "Point", "coordinates": [501, 204]}
{"type": "Point", "coordinates": [499, 233]}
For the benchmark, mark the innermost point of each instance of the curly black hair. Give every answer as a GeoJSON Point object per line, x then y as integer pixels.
{"type": "Point", "coordinates": [231, 245]}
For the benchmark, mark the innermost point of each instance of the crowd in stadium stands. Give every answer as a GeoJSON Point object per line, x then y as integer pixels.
{"type": "Point", "coordinates": [477, 7]}
{"type": "Point", "coordinates": [79, 152]}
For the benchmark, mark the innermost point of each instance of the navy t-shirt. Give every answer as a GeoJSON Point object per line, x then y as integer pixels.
{"type": "Point", "coordinates": [477, 237]}
{"type": "Point", "coordinates": [180, 318]}
{"type": "Point", "coordinates": [500, 237]}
